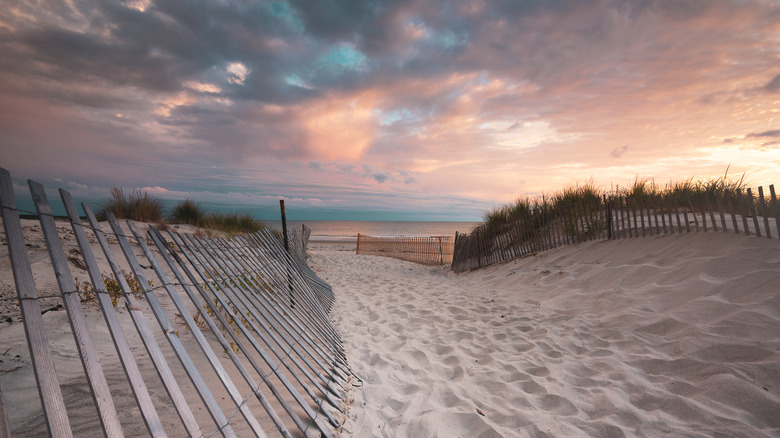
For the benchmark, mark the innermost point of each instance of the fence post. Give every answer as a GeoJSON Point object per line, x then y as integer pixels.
{"type": "Point", "coordinates": [764, 211]}
{"type": "Point", "coordinates": [775, 208]}
{"type": "Point", "coordinates": [286, 248]}
{"type": "Point", "coordinates": [752, 209]}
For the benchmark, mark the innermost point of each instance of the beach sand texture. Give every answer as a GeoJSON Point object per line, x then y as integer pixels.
{"type": "Point", "coordinates": [677, 335]}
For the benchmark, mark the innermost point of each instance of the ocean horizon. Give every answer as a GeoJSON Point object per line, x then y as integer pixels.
{"type": "Point", "coordinates": [347, 231]}
{"type": "Point", "coordinates": [330, 230]}
{"type": "Point", "coordinates": [265, 213]}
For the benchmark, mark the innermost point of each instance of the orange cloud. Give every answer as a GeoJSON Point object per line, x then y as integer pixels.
{"type": "Point", "coordinates": [340, 127]}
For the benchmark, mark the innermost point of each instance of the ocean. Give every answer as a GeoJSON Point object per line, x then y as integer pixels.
{"type": "Point", "coordinates": [322, 230]}
{"type": "Point", "coordinates": [347, 231]}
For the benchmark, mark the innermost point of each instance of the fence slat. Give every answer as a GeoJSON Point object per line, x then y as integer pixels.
{"type": "Point", "coordinates": [37, 341]}
{"type": "Point", "coordinates": [181, 406]}
{"type": "Point", "coordinates": [184, 358]}
{"type": "Point", "coordinates": [764, 212]}
{"type": "Point", "coordinates": [127, 360]}
{"type": "Point", "coordinates": [752, 210]}
{"type": "Point", "coordinates": [303, 332]}
{"type": "Point", "coordinates": [109, 419]}
{"type": "Point", "coordinates": [776, 208]}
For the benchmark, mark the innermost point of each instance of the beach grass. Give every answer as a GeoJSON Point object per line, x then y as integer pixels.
{"type": "Point", "coordinates": [189, 212]}
{"type": "Point", "coordinates": [685, 193]}
{"type": "Point", "coordinates": [142, 207]}
{"type": "Point", "coordinates": [137, 205]}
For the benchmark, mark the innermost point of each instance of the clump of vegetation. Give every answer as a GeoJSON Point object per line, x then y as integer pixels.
{"type": "Point", "coordinates": [188, 212]}
{"type": "Point", "coordinates": [139, 206]}
{"type": "Point", "coordinates": [88, 294]}
{"type": "Point", "coordinates": [232, 223]}
{"type": "Point", "coordinates": [536, 213]}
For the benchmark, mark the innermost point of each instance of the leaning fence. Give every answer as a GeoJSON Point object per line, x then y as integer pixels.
{"type": "Point", "coordinates": [214, 336]}
{"type": "Point", "coordinates": [428, 250]}
{"type": "Point", "coordinates": [548, 226]}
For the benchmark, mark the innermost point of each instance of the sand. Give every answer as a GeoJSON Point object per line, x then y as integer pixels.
{"type": "Point", "coordinates": [660, 336]}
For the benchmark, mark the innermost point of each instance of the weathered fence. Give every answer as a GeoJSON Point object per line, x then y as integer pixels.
{"type": "Point", "coordinates": [549, 226]}
{"type": "Point", "coordinates": [231, 338]}
{"type": "Point", "coordinates": [429, 250]}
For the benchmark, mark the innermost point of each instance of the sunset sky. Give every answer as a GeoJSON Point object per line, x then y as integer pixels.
{"type": "Point", "coordinates": [407, 109]}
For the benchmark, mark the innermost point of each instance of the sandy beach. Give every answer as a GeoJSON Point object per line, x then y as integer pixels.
{"type": "Point", "coordinates": [666, 336]}
{"type": "Point", "coordinates": [661, 336]}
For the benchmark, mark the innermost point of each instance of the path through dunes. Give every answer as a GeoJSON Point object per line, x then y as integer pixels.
{"type": "Point", "coordinates": [670, 335]}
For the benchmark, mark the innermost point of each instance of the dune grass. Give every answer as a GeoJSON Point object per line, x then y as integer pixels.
{"type": "Point", "coordinates": [189, 212]}
{"type": "Point", "coordinates": [688, 193]}
{"type": "Point", "coordinates": [231, 223]}
{"type": "Point", "coordinates": [142, 207]}
{"type": "Point", "coordinates": [139, 206]}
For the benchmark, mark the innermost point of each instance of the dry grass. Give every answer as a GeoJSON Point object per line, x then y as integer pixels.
{"type": "Point", "coordinates": [139, 206]}
{"type": "Point", "coordinates": [689, 193]}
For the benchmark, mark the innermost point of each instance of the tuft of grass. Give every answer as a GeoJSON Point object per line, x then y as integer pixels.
{"type": "Point", "coordinates": [187, 212]}
{"type": "Point", "coordinates": [538, 213]}
{"type": "Point", "coordinates": [138, 206]}
{"type": "Point", "coordinates": [231, 223]}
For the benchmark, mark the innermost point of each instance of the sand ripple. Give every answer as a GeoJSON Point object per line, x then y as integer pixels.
{"type": "Point", "coordinates": [671, 336]}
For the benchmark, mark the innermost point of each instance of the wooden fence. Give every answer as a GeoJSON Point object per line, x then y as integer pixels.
{"type": "Point", "coordinates": [429, 250]}
{"type": "Point", "coordinates": [232, 337]}
{"type": "Point", "coordinates": [617, 217]}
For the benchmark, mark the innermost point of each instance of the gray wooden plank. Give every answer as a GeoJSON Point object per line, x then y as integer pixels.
{"type": "Point", "coordinates": [216, 365]}
{"type": "Point", "coordinates": [5, 431]}
{"type": "Point", "coordinates": [287, 340]}
{"type": "Point", "coordinates": [184, 358]}
{"type": "Point", "coordinates": [37, 340]}
{"type": "Point", "coordinates": [764, 212]}
{"type": "Point", "coordinates": [243, 308]}
{"type": "Point", "coordinates": [161, 365]}
{"type": "Point", "coordinates": [753, 212]}
{"type": "Point", "coordinates": [109, 419]}
{"type": "Point", "coordinates": [309, 308]}
{"type": "Point", "coordinates": [239, 342]}
{"type": "Point", "coordinates": [127, 360]}
{"type": "Point", "coordinates": [273, 308]}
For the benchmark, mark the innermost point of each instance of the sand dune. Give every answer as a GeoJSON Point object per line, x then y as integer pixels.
{"type": "Point", "coordinates": [666, 336]}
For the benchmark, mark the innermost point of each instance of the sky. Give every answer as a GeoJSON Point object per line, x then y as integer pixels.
{"type": "Point", "coordinates": [386, 109]}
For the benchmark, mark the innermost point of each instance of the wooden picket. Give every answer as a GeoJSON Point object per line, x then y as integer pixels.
{"type": "Point", "coordinates": [426, 250]}
{"type": "Point", "coordinates": [245, 322]}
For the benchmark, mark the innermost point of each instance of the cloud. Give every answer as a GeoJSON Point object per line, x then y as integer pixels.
{"type": "Point", "coordinates": [475, 100]}
{"type": "Point", "coordinates": [773, 85]}
{"type": "Point", "coordinates": [770, 133]}
{"type": "Point", "coordinates": [618, 152]}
